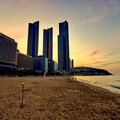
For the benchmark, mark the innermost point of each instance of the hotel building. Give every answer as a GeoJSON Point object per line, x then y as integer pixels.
{"type": "Point", "coordinates": [33, 36]}
{"type": "Point", "coordinates": [8, 52]}
{"type": "Point", "coordinates": [63, 47]}
{"type": "Point", "coordinates": [24, 62]}
{"type": "Point", "coordinates": [48, 43]}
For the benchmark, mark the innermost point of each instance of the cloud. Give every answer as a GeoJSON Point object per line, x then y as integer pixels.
{"type": "Point", "coordinates": [86, 11]}
{"type": "Point", "coordinates": [109, 63]}
{"type": "Point", "coordinates": [112, 53]}
{"type": "Point", "coordinates": [95, 52]}
{"type": "Point", "coordinates": [96, 10]}
{"type": "Point", "coordinates": [98, 62]}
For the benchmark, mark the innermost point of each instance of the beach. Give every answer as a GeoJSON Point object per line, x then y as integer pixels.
{"type": "Point", "coordinates": [56, 98]}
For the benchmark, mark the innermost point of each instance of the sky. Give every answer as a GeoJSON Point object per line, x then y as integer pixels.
{"type": "Point", "coordinates": [94, 28]}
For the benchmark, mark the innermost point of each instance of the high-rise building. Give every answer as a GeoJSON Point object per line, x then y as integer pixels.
{"type": "Point", "coordinates": [24, 62]}
{"type": "Point", "coordinates": [48, 43]}
{"type": "Point", "coordinates": [40, 63]}
{"type": "Point", "coordinates": [53, 67]}
{"type": "Point", "coordinates": [63, 47]}
{"type": "Point", "coordinates": [8, 52]}
{"type": "Point", "coordinates": [33, 36]}
{"type": "Point", "coordinates": [71, 64]}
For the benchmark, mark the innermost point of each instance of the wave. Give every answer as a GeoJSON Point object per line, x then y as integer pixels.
{"type": "Point", "coordinates": [117, 87]}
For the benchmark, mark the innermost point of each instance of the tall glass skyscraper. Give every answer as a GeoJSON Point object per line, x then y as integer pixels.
{"type": "Point", "coordinates": [63, 47]}
{"type": "Point", "coordinates": [48, 43]}
{"type": "Point", "coordinates": [33, 36]}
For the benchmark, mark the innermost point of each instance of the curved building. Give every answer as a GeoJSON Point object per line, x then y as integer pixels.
{"type": "Point", "coordinates": [63, 47]}
{"type": "Point", "coordinates": [48, 43]}
{"type": "Point", "coordinates": [33, 36]}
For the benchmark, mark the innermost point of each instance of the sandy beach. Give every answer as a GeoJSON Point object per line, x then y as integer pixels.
{"type": "Point", "coordinates": [56, 98]}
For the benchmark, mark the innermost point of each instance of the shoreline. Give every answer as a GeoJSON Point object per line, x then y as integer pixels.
{"type": "Point", "coordinates": [112, 87]}
{"type": "Point", "coordinates": [56, 98]}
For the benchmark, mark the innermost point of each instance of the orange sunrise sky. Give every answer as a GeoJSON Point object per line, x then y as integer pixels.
{"type": "Point", "coordinates": [94, 28]}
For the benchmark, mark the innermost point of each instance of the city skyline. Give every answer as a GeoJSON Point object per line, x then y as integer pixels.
{"type": "Point", "coordinates": [94, 28]}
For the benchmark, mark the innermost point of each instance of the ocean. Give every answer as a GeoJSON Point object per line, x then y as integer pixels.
{"type": "Point", "coordinates": [111, 82]}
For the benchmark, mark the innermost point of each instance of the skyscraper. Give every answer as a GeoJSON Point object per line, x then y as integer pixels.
{"type": "Point", "coordinates": [48, 43]}
{"type": "Point", "coordinates": [63, 47]}
{"type": "Point", "coordinates": [33, 36]}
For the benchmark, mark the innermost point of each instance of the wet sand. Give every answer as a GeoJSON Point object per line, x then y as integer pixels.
{"type": "Point", "coordinates": [56, 98]}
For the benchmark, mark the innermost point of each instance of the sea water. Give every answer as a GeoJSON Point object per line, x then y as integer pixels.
{"type": "Point", "coordinates": [111, 82]}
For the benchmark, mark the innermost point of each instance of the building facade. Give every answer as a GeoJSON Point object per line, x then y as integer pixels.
{"type": "Point", "coordinates": [24, 62]}
{"type": "Point", "coordinates": [48, 43]}
{"type": "Point", "coordinates": [63, 47]}
{"type": "Point", "coordinates": [53, 67]}
{"type": "Point", "coordinates": [40, 63]}
{"type": "Point", "coordinates": [8, 52]}
{"type": "Point", "coordinates": [71, 64]}
{"type": "Point", "coordinates": [33, 36]}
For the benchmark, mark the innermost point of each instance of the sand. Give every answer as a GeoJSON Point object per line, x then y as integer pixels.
{"type": "Point", "coordinates": [56, 98]}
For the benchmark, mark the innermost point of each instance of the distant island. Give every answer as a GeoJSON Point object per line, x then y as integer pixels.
{"type": "Point", "coordinates": [89, 71]}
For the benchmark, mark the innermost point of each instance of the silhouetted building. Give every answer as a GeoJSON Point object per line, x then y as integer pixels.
{"type": "Point", "coordinates": [63, 47]}
{"type": "Point", "coordinates": [53, 67]}
{"type": "Point", "coordinates": [33, 36]}
{"type": "Point", "coordinates": [71, 64]}
{"type": "Point", "coordinates": [24, 62]}
{"type": "Point", "coordinates": [40, 63]}
{"type": "Point", "coordinates": [8, 52]}
{"type": "Point", "coordinates": [48, 43]}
